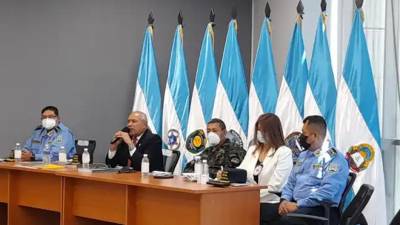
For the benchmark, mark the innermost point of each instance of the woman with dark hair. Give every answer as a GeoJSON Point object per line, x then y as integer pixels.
{"type": "Point", "coordinates": [268, 163]}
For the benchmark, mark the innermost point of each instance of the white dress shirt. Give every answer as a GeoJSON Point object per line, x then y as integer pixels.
{"type": "Point", "coordinates": [132, 150]}
{"type": "Point", "coordinates": [277, 166]}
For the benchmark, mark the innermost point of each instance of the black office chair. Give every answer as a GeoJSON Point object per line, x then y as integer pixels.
{"type": "Point", "coordinates": [350, 181]}
{"type": "Point", "coordinates": [171, 160]}
{"type": "Point", "coordinates": [80, 145]}
{"type": "Point", "coordinates": [396, 219]}
{"type": "Point", "coordinates": [327, 206]}
{"type": "Point", "coordinates": [349, 185]}
{"type": "Point", "coordinates": [352, 215]}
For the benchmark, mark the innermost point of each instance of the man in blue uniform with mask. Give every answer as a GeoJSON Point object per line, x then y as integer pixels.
{"type": "Point", "coordinates": [220, 151]}
{"type": "Point", "coordinates": [51, 132]}
{"type": "Point", "coordinates": [319, 175]}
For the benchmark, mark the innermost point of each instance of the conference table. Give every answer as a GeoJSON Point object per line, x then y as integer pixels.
{"type": "Point", "coordinates": [36, 196]}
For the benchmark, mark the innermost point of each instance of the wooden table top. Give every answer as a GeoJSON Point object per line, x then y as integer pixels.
{"type": "Point", "coordinates": [177, 183]}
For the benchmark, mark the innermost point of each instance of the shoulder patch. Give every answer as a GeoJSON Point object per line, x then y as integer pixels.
{"type": "Point", "coordinates": [333, 168]}
{"type": "Point", "coordinates": [38, 127]}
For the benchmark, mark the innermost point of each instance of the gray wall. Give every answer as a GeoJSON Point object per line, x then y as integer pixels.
{"type": "Point", "coordinates": [283, 18]}
{"type": "Point", "coordinates": [82, 56]}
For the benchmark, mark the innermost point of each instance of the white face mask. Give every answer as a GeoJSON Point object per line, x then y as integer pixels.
{"type": "Point", "coordinates": [49, 123]}
{"type": "Point", "coordinates": [260, 137]}
{"type": "Point", "coordinates": [213, 139]}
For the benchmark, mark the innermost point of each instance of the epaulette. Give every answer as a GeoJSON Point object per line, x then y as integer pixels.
{"type": "Point", "coordinates": [57, 128]}
{"type": "Point", "coordinates": [38, 127]}
{"type": "Point", "coordinates": [332, 151]}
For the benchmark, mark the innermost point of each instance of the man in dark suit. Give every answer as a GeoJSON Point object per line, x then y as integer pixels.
{"type": "Point", "coordinates": [130, 143]}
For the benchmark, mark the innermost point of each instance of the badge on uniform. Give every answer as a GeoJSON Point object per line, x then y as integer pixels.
{"type": "Point", "coordinates": [59, 140]}
{"type": "Point", "coordinates": [316, 166]}
{"type": "Point", "coordinates": [196, 142]}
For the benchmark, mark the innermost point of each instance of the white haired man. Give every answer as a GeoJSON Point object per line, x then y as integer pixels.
{"type": "Point", "coordinates": [130, 143]}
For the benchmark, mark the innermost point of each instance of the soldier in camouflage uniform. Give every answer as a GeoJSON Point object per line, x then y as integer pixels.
{"type": "Point", "coordinates": [221, 151]}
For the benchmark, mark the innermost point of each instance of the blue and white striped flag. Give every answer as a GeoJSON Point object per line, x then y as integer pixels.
{"type": "Point", "coordinates": [231, 99]}
{"type": "Point", "coordinates": [147, 94]}
{"type": "Point", "coordinates": [176, 99]}
{"type": "Point", "coordinates": [290, 105]}
{"type": "Point", "coordinates": [263, 88]}
{"type": "Point", "coordinates": [357, 121]}
{"type": "Point", "coordinates": [321, 89]}
{"type": "Point", "coordinates": [205, 85]}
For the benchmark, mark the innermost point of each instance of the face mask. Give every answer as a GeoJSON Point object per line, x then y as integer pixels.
{"type": "Point", "coordinates": [49, 123]}
{"type": "Point", "coordinates": [303, 142]}
{"type": "Point", "coordinates": [213, 139]}
{"type": "Point", "coordinates": [260, 137]}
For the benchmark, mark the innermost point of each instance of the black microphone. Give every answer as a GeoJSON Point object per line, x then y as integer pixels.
{"type": "Point", "coordinates": [115, 139]}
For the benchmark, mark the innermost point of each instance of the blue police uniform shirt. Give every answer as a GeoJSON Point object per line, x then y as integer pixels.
{"type": "Point", "coordinates": [55, 138]}
{"type": "Point", "coordinates": [317, 177]}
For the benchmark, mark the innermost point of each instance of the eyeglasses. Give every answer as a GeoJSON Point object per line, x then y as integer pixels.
{"type": "Point", "coordinates": [48, 117]}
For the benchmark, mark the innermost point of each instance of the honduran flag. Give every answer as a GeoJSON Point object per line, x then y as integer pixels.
{"type": "Point", "coordinates": [290, 105]}
{"type": "Point", "coordinates": [357, 122]}
{"type": "Point", "coordinates": [176, 99]}
{"type": "Point", "coordinates": [263, 87]}
{"type": "Point", "coordinates": [147, 94]}
{"type": "Point", "coordinates": [321, 89]}
{"type": "Point", "coordinates": [231, 99]}
{"type": "Point", "coordinates": [203, 94]}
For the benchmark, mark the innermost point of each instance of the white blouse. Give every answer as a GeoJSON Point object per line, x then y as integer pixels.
{"type": "Point", "coordinates": [277, 166]}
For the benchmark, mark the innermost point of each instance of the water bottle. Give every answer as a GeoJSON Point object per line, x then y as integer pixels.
{"type": "Point", "coordinates": [17, 153]}
{"type": "Point", "coordinates": [46, 154]}
{"type": "Point", "coordinates": [62, 155]}
{"type": "Point", "coordinates": [198, 167]}
{"type": "Point", "coordinates": [85, 158]}
{"type": "Point", "coordinates": [204, 175]}
{"type": "Point", "coordinates": [145, 165]}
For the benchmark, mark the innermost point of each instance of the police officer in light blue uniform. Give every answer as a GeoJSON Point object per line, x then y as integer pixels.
{"type": "Point", "coordinates": [319, 175]}
{"type": "Point", "coordinates": [51, 132]}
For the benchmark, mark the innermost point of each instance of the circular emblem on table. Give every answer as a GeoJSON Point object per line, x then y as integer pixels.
{"type": "Point", "coordinates": [173, 139]}
{"type": "Point", "coordinates": [360, 156]}
{"type": "Point", "coordinates": [196, 141]}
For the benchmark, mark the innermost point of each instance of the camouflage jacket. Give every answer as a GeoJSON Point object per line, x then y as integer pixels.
{"type": "Point", "coordinates": [228, 155]}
